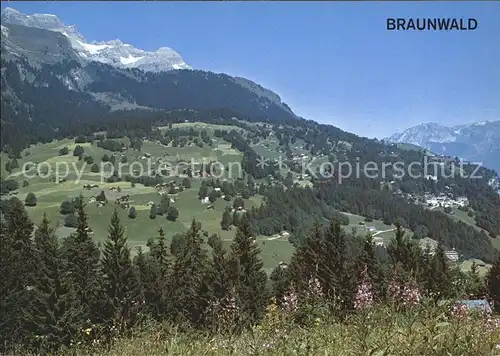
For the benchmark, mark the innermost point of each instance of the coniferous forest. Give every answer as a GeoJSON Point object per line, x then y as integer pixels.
{"type": "Point", "coordinates": [58, 294]}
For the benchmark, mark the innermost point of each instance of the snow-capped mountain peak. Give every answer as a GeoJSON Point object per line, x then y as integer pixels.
{"type": "Point", "coordinates": [479, 141]}
{"type": "Point", "coordinates": [113, 52]}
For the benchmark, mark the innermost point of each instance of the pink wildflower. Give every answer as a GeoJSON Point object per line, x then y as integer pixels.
{"type": "Point", "coordinates": [290, 301]}
{"type": "Point", "coordinates": [459, 310]}
{"type": "Point", "coordinates": [394, 290]}
{"type": "Point", "coordinates": [492, 325]}
{"type": "Point", "coordinates": [410, 295]}
{"type": "Point", "coordinates": [315, 287]}
{"type": "Point", "coordinates": [364, 295]}
{"type": "Point", "coordinates": [407, 295]}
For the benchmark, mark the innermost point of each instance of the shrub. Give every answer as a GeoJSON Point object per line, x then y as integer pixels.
{"type": "Point", "coordinates": [172, 213]}
{"type": "Point", "coordinates": [30, 199]}
{"type": "Point", "coordinates": [67, 207]}
{"type": "Point", "coordinates": [70, 220]}
{"type": "Point", "coordinates": [78, 151]}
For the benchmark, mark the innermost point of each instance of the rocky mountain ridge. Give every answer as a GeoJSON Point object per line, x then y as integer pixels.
{"type": "Point", "coordinates": [478, 142]}
{"type": "Point", "coordinates": [114, 52]}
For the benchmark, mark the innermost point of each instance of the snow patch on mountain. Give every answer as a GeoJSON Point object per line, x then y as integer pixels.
{"type": "Point", "coordinates": [130, 59]}
{"type": "Point", "coordinates": [478, 142]}
{"type": "Point", "coordinates": [114, 52]}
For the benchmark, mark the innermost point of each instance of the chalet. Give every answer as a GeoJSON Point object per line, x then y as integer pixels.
{"type": "Point", "coordinates": [285, 234]}
{"type": "Point", "coordinates": [282, 264]}
{"type": "Point", "coordinates": [452, 255]}
{"type": "Point", "coordinates": [378, 241]}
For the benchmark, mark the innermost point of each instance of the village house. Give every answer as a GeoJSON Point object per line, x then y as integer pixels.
{"type": "Point", "coordinates": [285, 234]}
{"type": "Point", "coordinates": [452, 255]}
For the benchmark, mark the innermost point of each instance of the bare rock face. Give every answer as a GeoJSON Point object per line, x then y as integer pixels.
{"type": "Point", "coordinates": [114, 52]}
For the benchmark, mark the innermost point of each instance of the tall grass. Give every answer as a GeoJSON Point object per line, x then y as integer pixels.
{"type": "Point", "coordinates": [383, 330]}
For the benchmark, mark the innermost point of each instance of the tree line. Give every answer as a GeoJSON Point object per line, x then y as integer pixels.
{"type": "Point", "coordinates": [58, 292]}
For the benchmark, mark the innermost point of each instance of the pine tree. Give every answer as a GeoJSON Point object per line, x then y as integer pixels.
{"type": "Point", "coordinates": [475, 287]}
{"type": "Point", "coordinates": [218, 287]}
{"type": "Point", "coordinates": [236, 218]}
{"type": "Point", "coordinates": [188, 275]}
{"type": "Point", "coordinates": [152, 212]}
{"type": "Point", "coordinates": [81, 256]}
{"type": "Point", "coordinates": [369, 260]}
{"type": "Point", "coordinates": [333, 271]}
{"type": "Point", "coordinates": [493, 283]}
{"type": "Point", "coordinates": [162, 208]}
{"type": "Point", "coordinates": [54, 310]}
{"type": "Point", "coordinates": [441, 276]}
{"type": "Point", "coordinates": [249, 277]}
{"type": "Point", "coordinates": [226, 220]}
{"type": "Point", "coordinates": [219, 276]}
{"type": "Point", "coordinates": [304, 262]}
{"type": "Point", "coordinates": [155, 275]}
{"type": "Point", "coordinates": [402, 250]}
{"type": "Point", "coordinates": [120, 283]}
{"type": "Point", "coordinates": [18, 276]}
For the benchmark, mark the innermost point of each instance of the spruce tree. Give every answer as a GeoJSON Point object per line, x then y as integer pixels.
{"type": "Point", "coordinates": [218, 283]}
{"type": "Point", "coordinates": [402, 251]}
{"type": "Point", "coordinates": [218, 273]}
{"type": "Point", "coordinates": [152, 212]}
{"type": "Point", "coordinates": [188, 279]}
{"type": "Point", "coordinates": [81, 256]}
{"type": "Point", "coordinates": [18, 276]}
{"type": "Point", "coordinates": [493, 283]}
{"type": "Point", "coordinates": [333, 271]}
{"type": "Point", "coordinates": [54, 310]}
{"type": "Point", "coordinates": [305, 261]}
{"type": "Point", "coordinates": [475, 287]}
{"type": "Point", "coordinates": [441, 274]}
{"type": "Point", "coordinates": [120, 283]}
{"type": "Point", "coordinates": [369, 260]}
{"type": "Point", "coordinates": [248, 275]}
{"type": "Point", "coordinates": [226, 220]}
{"type": "Point", "coordinates": [164, 205]}
{"type": "Point", "coordinates": [157, 278]}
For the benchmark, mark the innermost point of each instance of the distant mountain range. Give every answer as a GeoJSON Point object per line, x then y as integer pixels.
{"type": "Point", "coordinates": [114, 52]}
{"type": "Point", "coordinates": [477, 142]}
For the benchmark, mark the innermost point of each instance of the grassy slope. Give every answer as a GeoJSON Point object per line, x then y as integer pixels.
{"type": "Point", "coordinates": [139, 230]}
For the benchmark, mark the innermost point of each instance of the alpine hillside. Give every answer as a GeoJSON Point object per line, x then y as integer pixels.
{"type": "Point", "coordinates": [48, 70]}
{"type": "Point", "coordinates": [59, 105]}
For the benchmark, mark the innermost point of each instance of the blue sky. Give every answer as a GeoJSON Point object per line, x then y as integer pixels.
{"type": "Point", "coordinates": [333, 62]}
